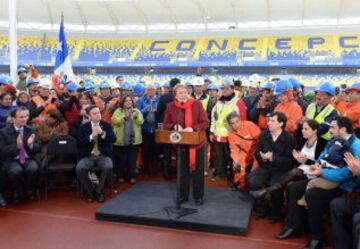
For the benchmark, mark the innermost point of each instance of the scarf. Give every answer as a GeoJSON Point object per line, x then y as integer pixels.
{"type": "Point", "coordinates": [227, 98]}
{"type": "Point", "coordinates": [187, 106]}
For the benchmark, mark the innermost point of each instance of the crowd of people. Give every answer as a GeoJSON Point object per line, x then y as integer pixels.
{"type": "Point", "coordinates": [296, 153]}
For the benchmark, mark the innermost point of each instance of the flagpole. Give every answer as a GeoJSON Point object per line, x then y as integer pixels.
{"type": "Point", "coordinates": [13, 39]}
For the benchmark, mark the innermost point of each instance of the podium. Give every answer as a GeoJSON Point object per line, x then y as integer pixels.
{"type": "Point", "coordinates": [179, 138]}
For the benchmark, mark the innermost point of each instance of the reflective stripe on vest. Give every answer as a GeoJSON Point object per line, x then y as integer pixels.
{"type": "Point", "coordinates": [320, 118]}
{"type": "Point", "coordinates": [222, 111]}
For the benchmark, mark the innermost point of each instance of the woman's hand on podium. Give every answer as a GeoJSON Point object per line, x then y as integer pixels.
{"type": "Point", "coordinates": [188, 129]}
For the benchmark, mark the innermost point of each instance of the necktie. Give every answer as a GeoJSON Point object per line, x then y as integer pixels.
{"type": "Point", "coordinates": [96, 151]}
{"type": "Point", "coordinates": [22, 156]}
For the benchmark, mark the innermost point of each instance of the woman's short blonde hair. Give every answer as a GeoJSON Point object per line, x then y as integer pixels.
{"type": "Point", "coordinates": [177, 87]}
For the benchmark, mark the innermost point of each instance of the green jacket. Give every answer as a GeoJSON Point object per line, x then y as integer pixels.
{"type": "Point", "coordinates": [118, 120]}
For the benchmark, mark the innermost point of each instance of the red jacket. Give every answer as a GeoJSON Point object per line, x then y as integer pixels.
{"type": "Point", "coordinates": [176, 116]}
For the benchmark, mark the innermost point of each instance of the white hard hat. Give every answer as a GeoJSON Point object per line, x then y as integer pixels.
{"type": "Point", "coordinates": [45, 83]}
{"type": "Point", "coordinates": [198, 81]}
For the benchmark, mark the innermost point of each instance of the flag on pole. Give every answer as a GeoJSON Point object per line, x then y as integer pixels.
{"type": "Point", "coordinates": [63, 66]}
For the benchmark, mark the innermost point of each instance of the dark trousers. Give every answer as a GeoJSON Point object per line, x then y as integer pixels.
{"type": "Point", "coordinates": [295, 215]}
{"type": "Point", "coordinates": [263, 177]}
{"type": "Point", "coordinates": [223, 162]}
{"type": "Point", "coordinates": [197, 175]}
{"type": "Point", "coordinates": [149, 153]}
{"type": "Point", "coordinates": [318, 201]}
{"type": "Point", "coordinates": [125, 160]}
{"type": "Point", "coordinates": [102, 163]}
{"type": "Point", "coordinates": [28, 173]}
{"type": "Point", "coordinates": [2, 178]}
{"type": "Point", "coordinates": [168, 169]}
{"type": "Point", "coordinates": [345, 225]}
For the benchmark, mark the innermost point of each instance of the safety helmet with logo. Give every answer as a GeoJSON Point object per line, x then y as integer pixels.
{"type": "Point", "coordinates": [72, 86]}
{"type": "Point", "coordinates": [326, 87]}
{"type": "Point", "coordinates": [104, 85]}
{"type": "Point", "coordinates": [139, 89]}
{"type": "Point", "coordinates": [227, 83]}
{"type": "Point", "coordinates": [5, 80]}
{"type": "Point", "coordinates": [89, 86]}
{"type": "Point", "coordinates": [45, 84]}
{"type": "Point", "coordinates": [114, 85]}
{"type": "Point", "coordinates": [126, 86]}
{"type": "Point", "coordinates": [30, 81]}
{"type": "Point", "coordinates": [198, 81]}
{"type": "Point", "coordinates": [282, 86]}
{"type": "Point", "coordinates": [21, 70]}
{"type": "Point", "coordinates": [268, 86]}
{"type": "Point", "coordinates": [295, 83]}
{"type": "Point", "coordinates": [354, 87]}
{"type": "Point", "coordinates": [212, 86]}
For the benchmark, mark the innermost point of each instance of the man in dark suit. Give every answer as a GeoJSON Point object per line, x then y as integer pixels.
{"type": "Point", "coordinates": [274, 155]}
{"type": "Point", "coordinates": [20, 150]}
{"type": "Point", "coordinates": [95, 141]}
{"type": "Point", "coordinates": [160, 114]}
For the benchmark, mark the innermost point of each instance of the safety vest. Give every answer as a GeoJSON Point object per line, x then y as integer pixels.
{"type": "Point", "coordinates": [222, 110]}
{"type": "Point", "coordinates": [320, 118]}
{"type": "Point", "coordinates": [39, 101]}
{"type": "Point", "coordinates": [205, 102]}
{"type": "Point", "coordinates": [107, 113]}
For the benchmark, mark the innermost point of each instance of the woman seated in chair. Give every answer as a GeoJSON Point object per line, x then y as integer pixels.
{"type": "Point", "coordinates": [54, 125]}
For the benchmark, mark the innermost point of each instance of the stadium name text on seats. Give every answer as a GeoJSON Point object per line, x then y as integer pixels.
{"type": "Point", "coordinates": [281, 43]}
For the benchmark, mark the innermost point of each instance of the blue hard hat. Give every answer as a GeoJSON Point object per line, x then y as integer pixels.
{"type": "Point", "coordinates": [282, 86]}
{"type": "Point", "coordinates": [72, 86]}
{"type": "Point", "coordinates": [5, 80]}
{"type": "Point", "coordinates": [89, 87]}
{"type": "Point", "coordinates": [326, 87]}
{"type": "Point", "coordinates": [295, 83]}
{"type": "Point", "coordinates": [126, 86]}
{"type": "Point", "coordinates": [269, 86]}
{"type": "Point", "coordinates": [227, 83]}
{"type": "Point", "coordinates": [212, 86]}
{"type": "Point", "coordinates": [104, 85]}
{"type": "Point", "coordinates": [139, 89]}
{"type": "Point", "coordinates": [22, 70]}
{"type": "Point", "coordinates": [355, 87]}
{"type": "Point", "coordinates": [30, 81]}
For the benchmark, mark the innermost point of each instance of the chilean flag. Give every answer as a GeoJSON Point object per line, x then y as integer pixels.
{"type": "Point", "coordinates": [63, 66]}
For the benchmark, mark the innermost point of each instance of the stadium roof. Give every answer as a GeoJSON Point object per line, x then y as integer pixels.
{"type": "Point", "coordinates": [184, 16]}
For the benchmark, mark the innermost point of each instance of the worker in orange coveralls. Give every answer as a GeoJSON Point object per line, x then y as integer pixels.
{"type": "Point", "coordinates": [242, 139]}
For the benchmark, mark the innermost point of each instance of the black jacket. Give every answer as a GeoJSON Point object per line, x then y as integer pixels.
{"type": "Point", "coordinates": [281, 149]}
{"type": "Point", "coordinates": [163, 102]}
{"type": "Point", "coordinates": [8, 144]}
{"type": "Point", "coordinates": [86, 146]}
{"type": "Point", "coordinates": [320, 146]}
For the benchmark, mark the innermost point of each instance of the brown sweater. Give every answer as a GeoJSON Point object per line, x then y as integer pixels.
{"type": "Point", "coordinates": [46, 132]}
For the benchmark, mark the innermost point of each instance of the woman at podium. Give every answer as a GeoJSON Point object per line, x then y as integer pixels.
{"type": "Point", "coordinates": [185, 114]}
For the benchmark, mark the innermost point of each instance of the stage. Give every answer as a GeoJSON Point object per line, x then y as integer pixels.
{"type": "Point", "coordinates": [223, 211]}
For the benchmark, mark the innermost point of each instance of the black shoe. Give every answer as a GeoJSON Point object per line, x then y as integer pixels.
{"type": "Point", "coordinates": [182, 200]}
{"type": "Point", "coordinates": [262, 193]}
{"type": "Point", "coordinates": [30, 195]}
{"type": "Point", "coordinates": [2, 201]}
{"type": "Point", "coordinates": [90, 198]}
{"type": "Point", "coordinates": [286, 233]}
{"type": "Point", "coordinates": [100, 198]}
{"type": "Point", "coordinates": [16, 197]}
{"type": "Point", "coordinates": [314, 244]}
{"type": "Point", "coordinates": [199, 202]}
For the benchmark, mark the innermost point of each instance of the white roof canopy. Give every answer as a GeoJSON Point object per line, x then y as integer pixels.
{"type": "Point", "coordinates": [185, 16]}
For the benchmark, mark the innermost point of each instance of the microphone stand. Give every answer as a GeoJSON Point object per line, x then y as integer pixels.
{"type": "Point", "coordinates": [178, 209]}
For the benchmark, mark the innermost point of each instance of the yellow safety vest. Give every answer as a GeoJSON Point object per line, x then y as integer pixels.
{"type": "Point", "coordinates": [205, 102]}
{"type": "Point", "coordinates": [320, 118]}
{"type": "Point", "coordinates": [221, 111]}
